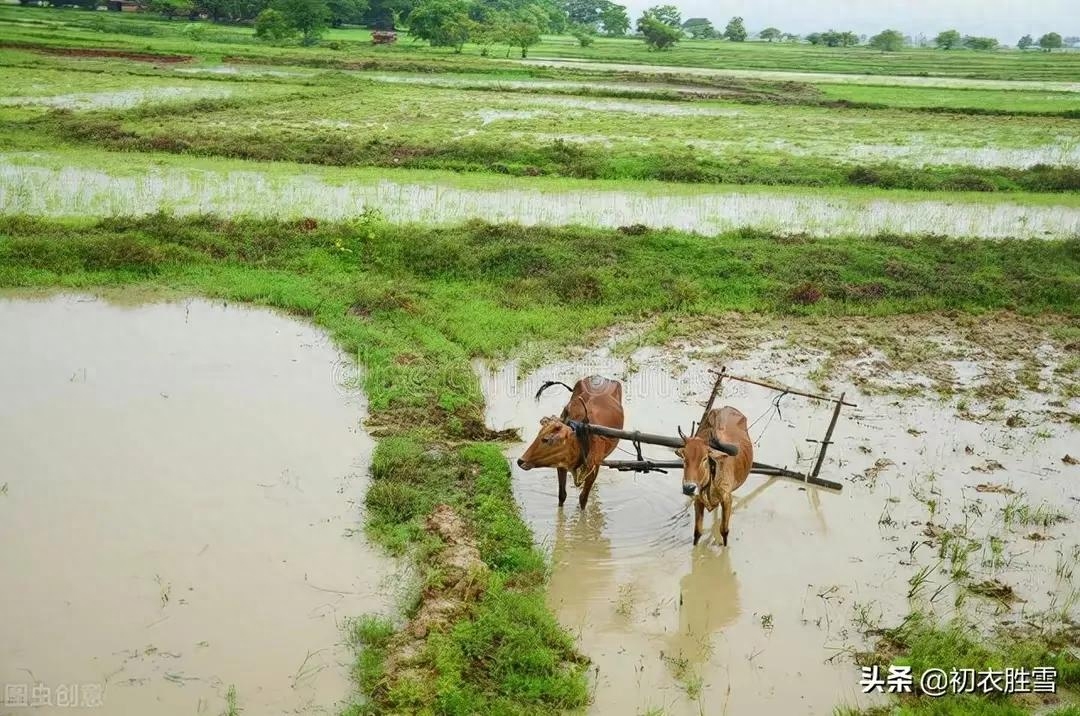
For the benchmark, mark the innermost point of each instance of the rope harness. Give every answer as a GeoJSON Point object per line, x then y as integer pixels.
{"type": "Point", "coordinates": [774, 408]}
{"type": "Point", "coordinates": [582, 435]}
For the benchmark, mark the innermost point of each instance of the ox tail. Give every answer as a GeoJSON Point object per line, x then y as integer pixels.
{"type": "Point", "coordinates": [548, 383]}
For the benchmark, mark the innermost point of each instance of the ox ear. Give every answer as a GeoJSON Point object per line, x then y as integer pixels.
{"type": "Point", "coordinates": [717, 456]}
{"type": "Point", "coordinates": [681, 454]}
{"type": "Point", "coordinates": [546, 419]}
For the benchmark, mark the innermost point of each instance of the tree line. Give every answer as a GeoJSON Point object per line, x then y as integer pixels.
{"type": "Point", "coordinates": [521, 23]}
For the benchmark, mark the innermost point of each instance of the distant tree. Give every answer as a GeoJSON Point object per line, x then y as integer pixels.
{"type": "Point", "coordinates": [1071, 40]}
{"type": "Point", "coordinates": [1025, 42]}
{"type": "Point", "coordinates": [386, 14]}
{"type": "Point", "coordinates": [614, 20]}
{"type": "Point", "coordinates": [443, 23]}
{"type": "Point", "coordinates": [735, 30]}
{"type": "Point", "coordinates": [522, 32]}
{"type": "Point", "coordinates": [231, 10]}
{"type": "Point", "coordinates": [487, 33]}
{"type": "Point", "coordinates": [980, 43]}
{"type": "Point", "coordinates": [658, 35]}
{"type": "Point", "coordinates": [667, 14]}
{"type": "Point", "coordinates": [346, 12]}
{"type": "Point", "coordinates": [699, 28]}
{"type": "Point", "coordinates": [170, 8]}
{"type": "Point", "coordinates": [847, 39]}
{"type": "Point", "coordinates": [272, 25]}
{"type": "Point", "coordinates": [832, 38]}
{"type": "Point", "coordinates": [584, 34]}
{"type": "Point", "coordinates": [593, 13]}
{"type": "Point", "coordinates": [308, 17]}
{"type": "Point", "coordinates": [771, 34]}
{"type": "Point", "coordinates": [1051, 41]}
{"type": "Point", "coordinates": [888, 41]}
{"type": "Point", "coordinates": [947, 40]}
{"type": "Point", "coordinates": [582, 12]}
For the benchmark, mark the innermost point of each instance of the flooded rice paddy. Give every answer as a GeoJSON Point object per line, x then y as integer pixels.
{"type": "Point", "coordinates": [534, 84]}
{"type": "Point", "coordinates": [768, 624]}
{"type": "Point", "coordinates": [117, 99]}
{"type": "Point", "coordinates": [633, 107]}
{"type": "Point", "coordinates": [181, 485]}
{"type": "Point", "coordinates": [78, 191]}
{"type": "Point", "coordinates": [243, 70]}
{"type": "Point", "coordinates": [916, 152]}
{"type": "Point", "coordinates": [813, 77]}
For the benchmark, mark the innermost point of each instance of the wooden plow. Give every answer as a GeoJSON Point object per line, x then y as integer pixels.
{"type": "Point", "coordinates": [641, 464]}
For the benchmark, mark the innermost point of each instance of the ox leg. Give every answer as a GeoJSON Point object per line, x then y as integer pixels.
{"type": "Point", "coordinates": [562, 486]}
{"type": "Point", "coordinates": [590, 478]}
{"type": "Point", "coordinates": [699, 514]}
{"type": "Point", "coordinates": [725, 514]}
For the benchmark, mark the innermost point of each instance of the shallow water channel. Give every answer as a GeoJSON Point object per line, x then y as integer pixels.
{"type": "Point", "coordinates": [179, 490]}
{"type": "Point", "coordinates": [767, 625]}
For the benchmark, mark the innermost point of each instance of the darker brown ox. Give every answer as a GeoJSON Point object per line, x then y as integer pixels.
{"type": "Point", "coordinates": [593, 400]}
{"type": "Point", "coordinates": [710, 475]}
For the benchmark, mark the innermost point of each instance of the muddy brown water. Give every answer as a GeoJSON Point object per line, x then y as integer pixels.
{"type": "Point", "coordinates": [182, 487]}
{"type": "Point", "coordinates": [767, 625]}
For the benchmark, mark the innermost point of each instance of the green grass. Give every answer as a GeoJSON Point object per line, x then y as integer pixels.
{"type": "Point", "coordinates": [922, 643]}
{"type": "Point", "coordinates": [507, 654]}
{"type": "Point", "coordinates": [973, 100]}
{"type": "Point", "coordinates": [415, 305]}
{"type": "Point", "coordinates": [232, 706]}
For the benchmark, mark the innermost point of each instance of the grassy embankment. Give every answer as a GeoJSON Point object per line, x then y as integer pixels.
{"type": "Point", "coordinates": [415, 305]}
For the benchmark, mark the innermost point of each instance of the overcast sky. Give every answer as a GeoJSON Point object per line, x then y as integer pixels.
{"type": "Point", "coordinates": [1006, 20]}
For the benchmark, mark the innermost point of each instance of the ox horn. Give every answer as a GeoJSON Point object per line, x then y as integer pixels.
{"type": "Point", "coordinates": [681, 435]}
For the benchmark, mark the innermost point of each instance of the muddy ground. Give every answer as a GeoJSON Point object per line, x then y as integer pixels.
{"type": "Point", "coordinates": [180, 489]}
{"type": "Point", "coordinates": [962, 425]}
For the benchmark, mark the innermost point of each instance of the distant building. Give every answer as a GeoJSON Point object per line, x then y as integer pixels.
{"type": "Point", "coordinates": [123, 6]}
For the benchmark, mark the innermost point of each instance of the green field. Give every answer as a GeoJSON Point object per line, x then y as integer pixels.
{"type": "Point", "coordinates": [429, 208]}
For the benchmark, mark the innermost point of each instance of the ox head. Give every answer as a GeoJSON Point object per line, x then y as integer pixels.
{"type": "Point", "coordinates": [555, 446]}
{"type": "Point", "coordinates": [697, 470]}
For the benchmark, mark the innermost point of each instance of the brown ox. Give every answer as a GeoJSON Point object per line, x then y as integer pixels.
{"type": "Point", "coordinates": [710, 475]}
{"type": "Point", "coordinates": [595, 400]}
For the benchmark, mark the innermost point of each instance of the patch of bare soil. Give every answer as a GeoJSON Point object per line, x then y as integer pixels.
{"type": "Point", "coordinates": [462, 579]}
{"type": "Point", "coordinates": [97, 53]}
